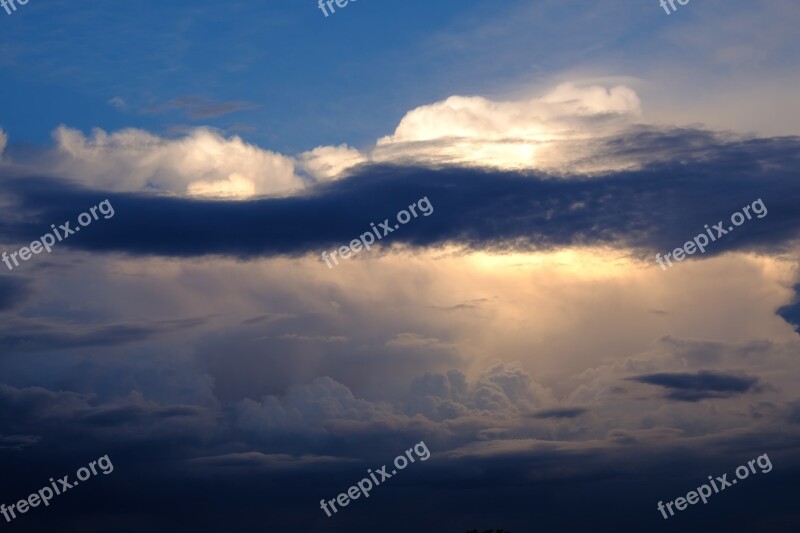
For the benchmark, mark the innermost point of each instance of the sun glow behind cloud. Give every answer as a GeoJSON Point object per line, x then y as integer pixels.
{"type": "Point", "coordinates": [583, 263]}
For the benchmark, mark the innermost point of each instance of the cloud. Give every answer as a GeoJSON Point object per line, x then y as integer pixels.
{"type": "Point", "coordinates": [527, 134]}
{"type": "Point", "coordinates": [412, 340]}
{"type": "Point", "coordinates": [560, 131]}
{"type": "Point", "coordinates": [483, 119]}
{"type": "Point", "coordinates": [308, 409]}
{"type": "Point", "coordinates": [17, 442]}
{"type": "Point", "coordinates": [327, 408]}
{"type": "Point", "coordinates": [312, 338]}
{"type": "Point", "coordinates": [24, 335]}
{"type": "Point", "coordinates": [201, 163]}
{"type": "Point", "coordinates": [330, 162]}
{"type": "Point", "coordinates": [28, 407]}
{"type": "Point", "coordinates": [791, 312]}
{"type": "Point", "coordinates": [246, 461]}
{"type": "Point", "coordinates": [198, 108]}
{"type": "Point", "coordinates": [3, 142]}
{"type": "Point", "coordinates": [13, 292]}
{"type": "Point", "coordinates": [560, 412]}
{"type": "Point", "coordinates": [118, 102]}
{"type": "Point", "coordinates": [503, 390]}
{"type": "Point", "coordinates": [73, 417]}
{"type": "Point", "coordinates": [700, 386]}
{"type": "Point", "coordinates": [134, 411]}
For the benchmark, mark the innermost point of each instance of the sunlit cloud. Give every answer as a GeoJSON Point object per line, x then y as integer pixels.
{"type": "Point", "coordinates": [201, 163]}
{"type": "Point", "coordinates": [526, 134]}
{"type": "Point", "coordinates": [329, 162]}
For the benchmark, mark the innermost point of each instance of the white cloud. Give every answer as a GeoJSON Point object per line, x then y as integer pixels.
{"type": "Point", "coordinates": [202, 163]}
{"type": "Point", "coordinates": [560, 131]}
{"type": "Point", "coordinates": [545, 118]}
{"type": "Point", "coordinates": [524, 134]}
{"type": "Point", "coordinates": [329, 162]}
{"type": "Point", "coordinates": [3, 142]}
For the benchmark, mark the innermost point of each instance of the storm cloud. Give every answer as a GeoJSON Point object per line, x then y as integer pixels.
{"type": "Point", "coordinates": [697, 179]}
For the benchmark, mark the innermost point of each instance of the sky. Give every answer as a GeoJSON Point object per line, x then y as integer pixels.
{"type": "Point", "coordinates": [542, 254]}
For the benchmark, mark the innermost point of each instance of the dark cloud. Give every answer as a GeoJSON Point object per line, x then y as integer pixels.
{"type": "Point", "coordinates": [654, 209]}
{"type": "Point", "coordinates": [160, 481]}
{"type": "Point", "coordinates": [12, 292]}
{"type": "Point", "coordinates": [701, 385]}
{"type": "Point", "coordinates": [791, 313]}
{"type": "Point", "coordinates": [16, 442]}
{"type": "Point", "coordinates": [135, 414]}
{"type": "Point", "coordinates": [33, 335]}
{"type": "Point", "coordinates": [162, 468]}
{"type": "Point", "coordinates": [564, 412]}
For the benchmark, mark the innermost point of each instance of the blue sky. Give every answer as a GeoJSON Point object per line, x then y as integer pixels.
{"type": "Point", "coordinates": [218, 334]}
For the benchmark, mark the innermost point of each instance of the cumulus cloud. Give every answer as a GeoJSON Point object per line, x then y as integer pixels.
{"type": "Point", "coordinates": [564, 129]}
{"type": "Point", "coordinates": [503, 390]}
{"type": "Point", "coordinates": [553, 115]}
{"type": "Point", "coordinates": [532, 133]}
{"type": "Point", "coordinates": [201, 163]}
{"type": "Point", "coordinates": [308, 408]}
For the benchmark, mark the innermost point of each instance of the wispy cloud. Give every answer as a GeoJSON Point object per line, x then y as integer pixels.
{"type": "Point", "coordinates": [199, 108]}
